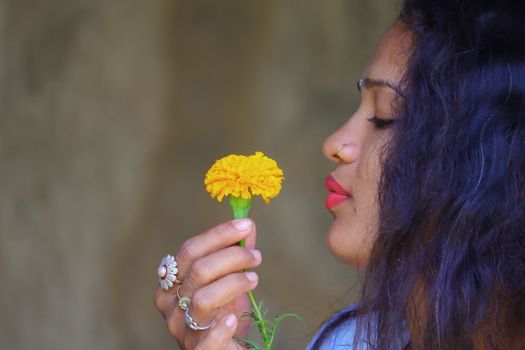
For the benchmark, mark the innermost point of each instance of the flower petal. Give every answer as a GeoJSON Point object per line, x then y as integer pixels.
{"type": "Point", "coordinates": [244, 176]}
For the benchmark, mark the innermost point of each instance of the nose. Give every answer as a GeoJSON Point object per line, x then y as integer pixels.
{"type": "Point", "coordinates": [342, 146]}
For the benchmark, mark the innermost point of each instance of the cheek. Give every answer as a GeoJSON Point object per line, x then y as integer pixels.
{"type": "Point", "coordinates": [369, 169]}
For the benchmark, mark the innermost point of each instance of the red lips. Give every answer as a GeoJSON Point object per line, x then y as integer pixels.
{"type": "Point", "coordinates": [336, 193]}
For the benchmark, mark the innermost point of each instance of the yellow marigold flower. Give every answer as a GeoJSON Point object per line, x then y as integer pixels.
{"type": "Point", "coordinates": [244, 176]}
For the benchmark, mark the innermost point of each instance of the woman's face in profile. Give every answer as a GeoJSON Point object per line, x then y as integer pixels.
{"type": "Point", "coordinates": [356, 147]}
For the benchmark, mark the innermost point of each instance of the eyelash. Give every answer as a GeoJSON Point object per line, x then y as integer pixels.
{"type": "Point", "coordinates": [380, 123]}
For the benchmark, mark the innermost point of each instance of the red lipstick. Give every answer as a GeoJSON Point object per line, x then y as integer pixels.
{"type": "Point", "coordinates": [336, 193]}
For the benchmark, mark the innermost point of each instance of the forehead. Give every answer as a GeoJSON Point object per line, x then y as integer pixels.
{"type": "Point", "coordinates": [390, 57]}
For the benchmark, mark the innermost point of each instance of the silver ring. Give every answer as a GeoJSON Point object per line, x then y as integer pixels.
{"type": "Point", "coordinates": [193, 324]}
{"type": "Point", "coordinates": [167, 272]}
{"type": "Point", "coordinates": [184, 302]}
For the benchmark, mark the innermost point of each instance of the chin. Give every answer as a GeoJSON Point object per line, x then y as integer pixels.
{"type": "Point", "coordinates": [339, 241]}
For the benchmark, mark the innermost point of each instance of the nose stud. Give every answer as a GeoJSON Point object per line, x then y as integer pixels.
{"type": "Point", "coordinates": [338, 149]}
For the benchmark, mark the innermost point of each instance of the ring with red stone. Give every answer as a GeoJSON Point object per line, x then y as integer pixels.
{"type": "Point", "coordinates": [168, 272]}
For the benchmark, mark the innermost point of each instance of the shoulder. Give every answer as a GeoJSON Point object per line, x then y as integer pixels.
{"type": "Point", "coordinates": [342, 337]}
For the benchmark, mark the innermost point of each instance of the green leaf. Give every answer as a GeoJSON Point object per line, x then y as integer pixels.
{"type": "Point", "coordinates": [278, 320]}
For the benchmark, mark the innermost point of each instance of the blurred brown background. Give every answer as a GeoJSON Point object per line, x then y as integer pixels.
{"type": "Point", "coordinates": [112, 111]}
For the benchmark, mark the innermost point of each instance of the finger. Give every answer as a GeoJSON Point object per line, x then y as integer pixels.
{"type": "Point", "coordinates": [168, 303]}
{"type": "Point", "coordinates": [219, 264]}
{"type": "Point", "coordinates": [163, 301]}
{"type": "Point", "coordinates": [250, 240]}
{"type": "Point", "coordinates": [219, 237]}
{"type": "Point", "coordinates": [219, 337]}
{"type": "Point", "coordinates": [176, 324]}
{"type": "Point", "coordinates": [208, 300]}
{"type": "Point", "coordinates": [206, 270]}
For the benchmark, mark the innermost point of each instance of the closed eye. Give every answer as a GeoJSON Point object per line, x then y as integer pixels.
{"type": "Point", "coordinates": [380, 123]}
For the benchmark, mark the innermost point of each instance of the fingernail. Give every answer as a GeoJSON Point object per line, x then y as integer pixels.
{"type": "Point", "coordinates": [256, 254]}
{"type": "Point", "coordinates": [242, 224]}
{"type": "Point", "coordinates": [252, 276]}
{"type": "Point", "coordinates": [230, 320]}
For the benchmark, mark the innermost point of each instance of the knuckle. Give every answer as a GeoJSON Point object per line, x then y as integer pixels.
{"type": "Point", "coordinates": [201, 302]}
{"type": "Point", "coordinates": [224, 230]}
{"type": "Point", "coordinates": [240, 253]}
{"type": "Point", "coordinates": [187, 252]}
{"type": "Point", "coordinates": [200, 271]}
{"type": "Point", "coordinates": [234, 252]}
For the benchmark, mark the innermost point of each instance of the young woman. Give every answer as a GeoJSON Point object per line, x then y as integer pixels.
{"type": "Point", "coordinates": [427, 196]}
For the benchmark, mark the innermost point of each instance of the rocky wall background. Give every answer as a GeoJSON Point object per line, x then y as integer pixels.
{"type": "Point", "coordinates": [110, 114]}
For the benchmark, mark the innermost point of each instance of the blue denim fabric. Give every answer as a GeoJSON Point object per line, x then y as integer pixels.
{"type": "Point", "coordinates": [341, 338]}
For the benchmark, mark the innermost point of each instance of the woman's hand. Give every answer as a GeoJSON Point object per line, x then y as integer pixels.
{"type": "Point", "coordinates": [211, 270]}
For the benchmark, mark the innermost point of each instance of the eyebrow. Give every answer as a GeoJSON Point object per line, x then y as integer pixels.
{"type": "Point", "coordinates": [372, 83]}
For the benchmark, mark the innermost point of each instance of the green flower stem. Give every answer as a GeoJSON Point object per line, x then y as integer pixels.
{"type": "Point", "coordinates": [241, 208]}
{"type": "Point", "coordinates": [258, 317]}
